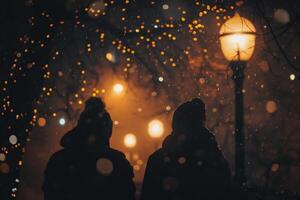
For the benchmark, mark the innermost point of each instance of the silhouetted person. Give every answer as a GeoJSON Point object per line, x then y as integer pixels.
{"type": "Point", "coordinates": [189, 165]}
{"type": "Point", "coordinates": [87, 168]}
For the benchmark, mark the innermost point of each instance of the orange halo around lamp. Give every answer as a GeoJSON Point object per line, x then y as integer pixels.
{"type": "Point", "coordinates": [237, 37]}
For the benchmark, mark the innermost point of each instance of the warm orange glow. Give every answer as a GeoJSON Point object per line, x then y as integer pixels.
{"type": "Point", "coordinates": [42, 122]}
{"type": "Point", "coordinates": [155, 128]}
{"type": "Point", "coordinates": [118, 88]}
{"type": "Point", "coordinates": [130, 140]}
{"type": "Point", "coordinates": [292, 77]}
{"type": "Point", "coordinates": [110, 57]}
{"type": "Point", "coordinates": [237, 37]}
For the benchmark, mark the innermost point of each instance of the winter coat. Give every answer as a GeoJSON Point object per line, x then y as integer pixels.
{"type": "Point", "coordinates": [187, 168]}
{"type": "Point", "coordinates": [80, 173]}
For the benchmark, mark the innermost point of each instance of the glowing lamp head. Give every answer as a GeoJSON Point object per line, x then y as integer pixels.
{"type": "Point", "coordinates": [130, 140]}
{"type": "Point", "coordinates": [118, 88]}
{"type": "Point", "coordinates": [237, 37]}
{"type": "Point", "coordinates": [155, 128]}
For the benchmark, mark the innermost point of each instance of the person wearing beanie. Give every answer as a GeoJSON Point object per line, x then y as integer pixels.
{"type": "Point", "coordinates": [87, 167]}
{"type": "Point", "coordinates": [189, 165]}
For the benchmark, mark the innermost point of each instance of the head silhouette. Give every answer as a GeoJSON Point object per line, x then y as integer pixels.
{"type": "Point", "coordinates": [189, 116]}
{"type": "Point", "coordinates": [95, 121]}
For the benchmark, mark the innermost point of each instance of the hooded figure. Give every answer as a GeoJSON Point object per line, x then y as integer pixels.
{"type": "Point", "coordinates": [86, 167]}
{"type": "Point", "coordinates": [189, 165]}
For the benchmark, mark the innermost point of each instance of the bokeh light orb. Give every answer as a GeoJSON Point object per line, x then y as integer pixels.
{"type": "Point", "coordinates": [165, 6]}
{"type": "Point", "coordinates": [264, 66]}
{"type": "Point", "coordinates": [281, 16]}
{"type": "Point", "coordinates": [2, 157]}
{"type": "Point", "coordinates": [181, 160]}
{"type": "Point", "coordinates": [13, 139]}
{"type": "Point", "coordinates": [60, 73]}
{"type": "Point", "coordinates": [168, 108]}
{"type": "Point", "coordinates": [156, 128]}
{"type": "Point", "coordinates": [275, 167]}
{"type": "Point", "coordinates": [237, 37]}
{"type": "Point", "coordinates": [42, 122]}
{"type": "Point", "coordinates": [136, 168]}
{"type": "Point", "coordinates": [135, 156]}
{"type": "Point", "coordinates": [170, 183]}
{"type": "Point", "coordinates": [118, 88]}
{"type": "Point", "coordinates": [110, 57]}
{"type": "Point", "coordinates": [4, 168]}
{"type": "Point", "coordinates": [130, 140]}
{"type": "Point", "coordinates": [271, 106]}
{"type": "Point", "coordinates": [292, 77]}
{"type": "Point", "coordinates": [62, 121]}
{"type": "Point", "coordinates": [104, 166]}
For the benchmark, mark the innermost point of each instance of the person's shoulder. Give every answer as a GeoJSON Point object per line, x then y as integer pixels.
{"type": "Point", "coordinates": [208, 132]}
{"type": "Point", "coordinates": [117, 153]}
{"type": "Point", "coordinates": [156, 155]}
{"type": "Point", "coordinates": [207, 135]}
{"type": "Point", "coordinates": [58, 155]}
{"type": "Point", "coordinates": [120, 158]}
{"type": "Point", "coordinates": [57, 160]}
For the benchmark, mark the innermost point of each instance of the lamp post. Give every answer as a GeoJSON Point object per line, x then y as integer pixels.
{"type": "Point", "coordinates": [237, 37]}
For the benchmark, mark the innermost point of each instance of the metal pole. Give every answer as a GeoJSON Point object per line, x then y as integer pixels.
{"type": "Point", "coordinates": [238, 77]}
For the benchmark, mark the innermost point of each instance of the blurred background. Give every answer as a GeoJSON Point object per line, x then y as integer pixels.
{"type": "Point", "coordinates": [144, 58]}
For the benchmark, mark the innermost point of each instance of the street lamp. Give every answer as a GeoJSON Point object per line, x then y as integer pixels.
{"type": "Point", "coordinates": [237, 37]}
